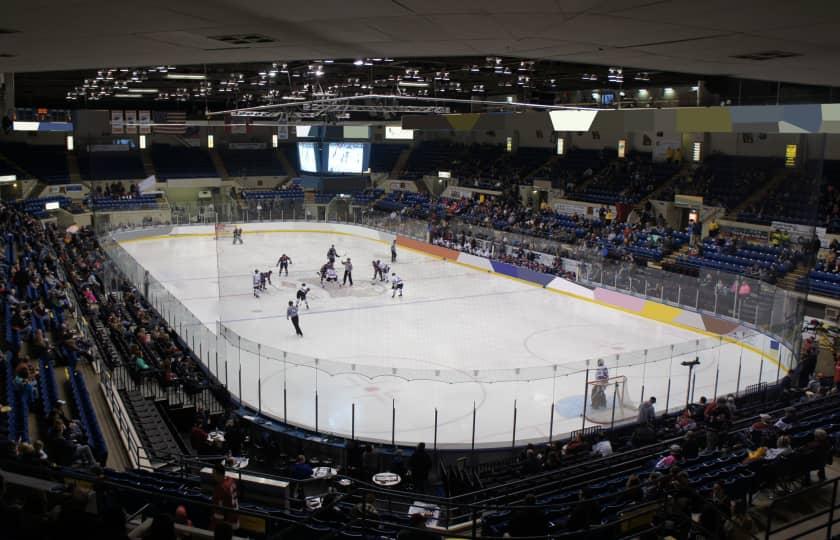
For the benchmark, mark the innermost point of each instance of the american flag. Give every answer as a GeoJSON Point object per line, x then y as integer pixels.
{"type": "Point", "coordinates": [170, 122]}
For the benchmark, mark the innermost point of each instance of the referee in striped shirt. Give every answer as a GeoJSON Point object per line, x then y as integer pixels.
{"type": "Point", "coordinates": [292, 313]}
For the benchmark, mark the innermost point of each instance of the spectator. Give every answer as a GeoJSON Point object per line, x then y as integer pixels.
{"type": "Point", "coordinates": [225, 498]}
{"type": "Point", "coordinates": [817, 453]}
{"type": "Point", "coordinates": [690, 446]}
{"type": "Point", "coordinates": [647, 413]}
{"type": "Point", "coordinates": [585, 513]}
{"type": "Point", "coordinates": [419, 464]}
{"type": "Point", "coordinates": [198, 438]}
{"type": "Point", "coordinates": [633, 490]}
{"type": "Point", "coordinates": [528, 521]}
{"type": "Point", "coordinates": [603, 446]}
{"type": "Point", "coordinates": [329, 510]}
{"type": "Point", "coordinates": [370, 461]}
{"type": "Point", "coordinates": [366, 508]}
{"type": "Point", "coordinates": [301, 470]}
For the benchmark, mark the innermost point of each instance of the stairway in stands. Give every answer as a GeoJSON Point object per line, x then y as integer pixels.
{"type": "Point", "coordinates": [791, 278]}
{"type": "Point", "coordinates": [402, 161]}
{"type": "Point", "coordinates": [284, 160]}
{"type": "Point", "coordinates": [672, 257]}
{"type": "Point", "coordinates": [760, 193]}
{"type": "Point", "coordinates": [148, 165]}
{"type": "Point", "coordinates": [73, 168]}
{"type": "Point", "coordinates": [219, 165]}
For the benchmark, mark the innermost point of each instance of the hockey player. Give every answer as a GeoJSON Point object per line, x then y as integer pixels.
{"type": "Point", "coordinates": [396, 285]}
{"type": "Point", "coordinates": [265, 277]}
{"type": "Point", "coordinates": [384, 268]}
{"type": "Point", "coordinates": [332, 254]}
{"type": "Point", "coordinates": [283, 263]}
{"type": "Point", "coordinates": [237, 235]}
{"type": "Point", "coordinates": [323, 272]}
{"type": "Point", "coordinates": [332, 275]}
{"type": "Point", "coordinates": [301, 295]}
{"type": "Point", "coordinates": [602, 376]}
{"type": "Point", "coordinates": [256, 280]}
{"type": "Point", "coordinates": [377, 271]}
{"type": "Point", "coordinates": [348, 272]}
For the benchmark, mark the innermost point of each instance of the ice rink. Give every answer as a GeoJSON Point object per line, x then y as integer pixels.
{"type": "Point", "coordinates": [454, 323]}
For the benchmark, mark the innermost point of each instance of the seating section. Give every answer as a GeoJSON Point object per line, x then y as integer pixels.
{"type": "Point", "coordinates": [46, 163]}
{"type": "Point", "coordinates": [292, 192]}
{"type": "Point", "coordinates": [829, 201]}
{"type": "Point", "coordinates": [126, 165]}
{"type": "Point", "coordinates": [173, 162]}
{"type": "Point", "coordinates": [626, 181]}
{"type": "Point", "coordinates": [244, 163]}
{"type": "Point", "coordinates": [18, 426]}
{"type": "Point", "coordinates": [367, 196]}
{"type": "Point", "coordinates": [728, 180]}
{"type": "Point", "coordinates": [760, 261]}
{"type": "Point", "coordinates": [486, 166]}
{"type": "Point", "coordinates": [87, 416]}
{"type": "Point", "coordinates": [37, 207]}
{"type": "Point", "coordinates": [384, 156]}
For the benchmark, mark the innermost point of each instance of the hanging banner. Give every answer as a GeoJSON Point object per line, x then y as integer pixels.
{"type": "Point", "coordinates": [117, 124]}
{"type": "Point", "coordinates": [794, 230]}
{"type": "Point", "coordinates": [283, 133]}
{"type": "Point", "coordinates": [145, 120]}
{"type": "Point", "coordinates": [131, 122]}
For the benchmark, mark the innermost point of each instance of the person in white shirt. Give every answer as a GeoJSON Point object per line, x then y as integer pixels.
{"type": "Point", "coordinates": [257, 283]}
{"type": "Point", "coordinates": [396, 285]}
{"type": "Point", "coordinates": [602, 448]}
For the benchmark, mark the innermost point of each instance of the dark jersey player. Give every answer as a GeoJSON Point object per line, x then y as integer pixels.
{"type": "Point", "coordinates": [283, 263]}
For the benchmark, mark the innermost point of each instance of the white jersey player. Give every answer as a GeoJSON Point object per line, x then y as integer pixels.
{"type": "Point", "coordinates": [301, 295]}
{"type": "Point", "coordinates": [257, 283]}
{"type": "Point", "coordinates": [396, 285]}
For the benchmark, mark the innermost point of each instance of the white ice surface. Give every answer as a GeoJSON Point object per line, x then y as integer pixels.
{"type": "Point", "coordinates": [450, 318]}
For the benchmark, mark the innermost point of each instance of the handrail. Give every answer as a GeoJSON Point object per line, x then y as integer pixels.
{"type": "Point", "coordinates": [832, 516]}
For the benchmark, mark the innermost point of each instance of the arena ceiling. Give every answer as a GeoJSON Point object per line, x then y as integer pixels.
{"type": "Point", "coordinates": [752, 39]}
{"type": "Point", "coordinates": [770, 40]}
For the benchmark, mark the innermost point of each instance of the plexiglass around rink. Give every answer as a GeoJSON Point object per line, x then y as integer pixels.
{"type": "Point", "coordinates": [455, 399]}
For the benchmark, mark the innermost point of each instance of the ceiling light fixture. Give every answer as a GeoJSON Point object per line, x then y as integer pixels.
{"type": "Point", "coordinates": [185, 76]}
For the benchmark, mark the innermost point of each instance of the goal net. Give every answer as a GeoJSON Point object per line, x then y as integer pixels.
{"type": "Point", "coordinates": [223, 230]}
{"type": "Point", "coordinates": [608, 400]}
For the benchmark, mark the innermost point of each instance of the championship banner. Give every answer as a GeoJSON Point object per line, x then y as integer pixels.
{"type": "Point", "coordinates": [148, 184]}
{"type": "Point", "coordinates": [117, 125]}
{"type": "Point", "coordinates": [283, 133]}
{"type": "Point", "coordinates": [131, 122]}
{"type": "Point", "coordinates": [145, 119]}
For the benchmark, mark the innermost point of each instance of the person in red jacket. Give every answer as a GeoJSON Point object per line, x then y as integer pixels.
{"type": "Point", "coordinates": [226, 496]}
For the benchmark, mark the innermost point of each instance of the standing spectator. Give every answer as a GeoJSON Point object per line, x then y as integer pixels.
{"type": "Point", "coordinates": [420, 463]}
{"type": "Point", "coordinates": [647, 414]}
{"type": "Point", "coordinates": [225, 498]}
